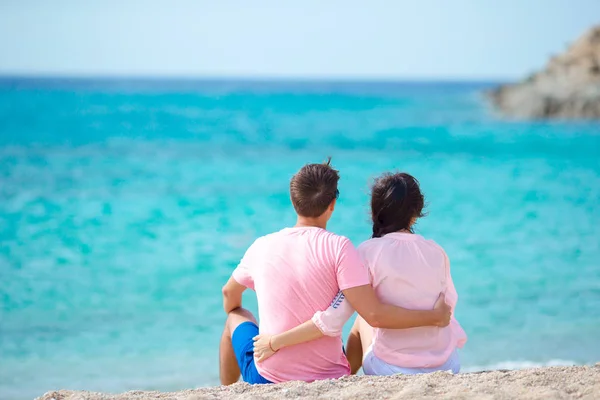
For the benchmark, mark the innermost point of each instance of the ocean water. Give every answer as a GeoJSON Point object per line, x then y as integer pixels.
{"type": "Point", "coordinates": [125, 205]}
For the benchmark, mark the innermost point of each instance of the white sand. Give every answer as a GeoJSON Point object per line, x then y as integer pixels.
{"type": "Point", "coordinates": [538, 383]}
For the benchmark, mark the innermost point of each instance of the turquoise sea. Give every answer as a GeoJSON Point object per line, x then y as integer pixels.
{"type": "Point", "coordinates": [125, 205]}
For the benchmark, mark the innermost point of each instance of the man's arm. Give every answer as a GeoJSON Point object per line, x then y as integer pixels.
{"type": "Point", "coordinates": [353, 279]}
{"type": "Point", "coordinates": [232, 295]}
{"type": "Point", "coordinates": [379, 315]}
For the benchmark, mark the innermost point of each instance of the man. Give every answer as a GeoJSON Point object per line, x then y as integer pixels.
{"type": "Point", "coordinates": [296, 272]}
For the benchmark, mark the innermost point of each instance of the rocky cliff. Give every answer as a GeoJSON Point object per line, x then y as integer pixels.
{"type": "Point", "coordinates": [568, 87]}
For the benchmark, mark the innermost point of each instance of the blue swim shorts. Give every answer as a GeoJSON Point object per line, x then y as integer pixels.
{"type": "Point", "coordinates": [243, 347]}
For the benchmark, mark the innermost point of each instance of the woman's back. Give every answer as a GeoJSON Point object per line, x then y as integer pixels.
{"type": "Point", "coordinates": [409, 271]}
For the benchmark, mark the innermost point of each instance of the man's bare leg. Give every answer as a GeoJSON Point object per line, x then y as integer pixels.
{"type": "Point", "coordinates": [361, 337]}
{"type": "Point", "coordinates": [229, 371]}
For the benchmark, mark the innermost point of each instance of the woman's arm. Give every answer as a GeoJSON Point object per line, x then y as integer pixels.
{"type": "Point", "coordinates": [267, 345]}
{"type": "Point", "coordinates": [324, 323]}
{"type": "Point", "coordinates": [451, 295]}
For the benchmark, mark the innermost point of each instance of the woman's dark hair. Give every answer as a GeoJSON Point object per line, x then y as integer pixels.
{"type": "Point", "coordinates": [395, 200]}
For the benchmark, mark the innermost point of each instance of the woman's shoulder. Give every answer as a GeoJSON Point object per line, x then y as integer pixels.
{"type": "Point", "coordinates": [433, 245]}
{"type": "Point", "coordinates": [370, 243]}
{"type": "Point", "coordinates": [369, 247]}
{"type": "Point", "coordinates": [373, 245]}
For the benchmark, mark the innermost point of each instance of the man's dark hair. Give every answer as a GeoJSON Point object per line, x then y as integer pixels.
{"type": "Point", "coordinates": [313, 188]}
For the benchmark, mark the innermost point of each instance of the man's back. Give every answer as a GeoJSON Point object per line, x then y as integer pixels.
{"type": "Point", "coordinates": [296, 272]}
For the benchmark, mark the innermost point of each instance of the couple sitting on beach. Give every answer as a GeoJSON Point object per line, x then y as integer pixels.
{"type": "Point", "coordinates": [309, 282]}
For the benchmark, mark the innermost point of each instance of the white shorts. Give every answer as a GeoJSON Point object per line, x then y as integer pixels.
{"type": "Point", "coordinates": [375, 366]}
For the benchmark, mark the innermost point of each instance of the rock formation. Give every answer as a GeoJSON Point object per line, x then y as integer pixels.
{"type": "Point", "coordinates": [568, 88]}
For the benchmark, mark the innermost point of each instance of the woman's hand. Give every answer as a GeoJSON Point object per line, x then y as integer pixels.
{"type": "Point", "coordinates": [262, 347]}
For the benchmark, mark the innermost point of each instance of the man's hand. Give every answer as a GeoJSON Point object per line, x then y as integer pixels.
{"type": "Point", "coordinates": [444, 311]}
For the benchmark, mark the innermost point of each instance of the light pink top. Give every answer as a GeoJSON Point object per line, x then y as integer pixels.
{"type": "Point", "coordinates": [296, 272]}
{"type": "Point", "coordinates": [409, 271]}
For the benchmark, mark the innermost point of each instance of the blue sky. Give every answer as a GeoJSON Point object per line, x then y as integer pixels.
{"type": "Point", "coordinates": [417, 39]}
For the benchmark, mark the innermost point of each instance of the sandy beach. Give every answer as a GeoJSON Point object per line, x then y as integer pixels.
{"type": "Point", "coordinates": [582, 382]}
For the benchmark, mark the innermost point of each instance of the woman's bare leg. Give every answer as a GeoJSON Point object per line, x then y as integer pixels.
{"type": "Point", "coordinates": [361, 337]}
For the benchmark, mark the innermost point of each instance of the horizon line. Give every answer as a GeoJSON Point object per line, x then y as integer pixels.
{"type": "Point", "coordinates": [256, 78]}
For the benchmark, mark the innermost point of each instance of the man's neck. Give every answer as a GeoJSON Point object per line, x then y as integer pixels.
{"type": "Point", "coordinates": [311, 222]}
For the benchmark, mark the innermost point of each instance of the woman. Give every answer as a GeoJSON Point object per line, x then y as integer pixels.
{"type": "Point", "coordinates": [406, 270]}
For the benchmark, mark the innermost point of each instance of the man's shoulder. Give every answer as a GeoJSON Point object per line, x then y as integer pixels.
{"type": "Point", "coordinates": [339, 240]}
{"type": "Point", "coordinates": [265, 239]}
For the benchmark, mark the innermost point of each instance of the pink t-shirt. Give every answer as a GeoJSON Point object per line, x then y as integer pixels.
{"type": "Point", "coordinates": [408, 271]}
{"type": "Point", "coordinates": [296, 272]}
